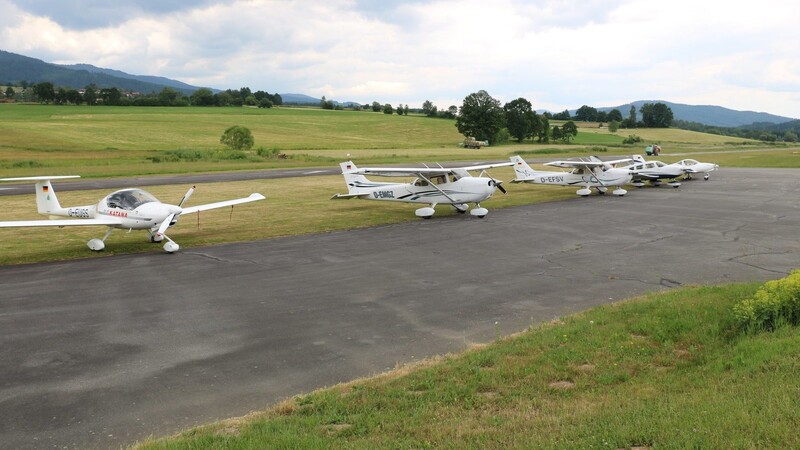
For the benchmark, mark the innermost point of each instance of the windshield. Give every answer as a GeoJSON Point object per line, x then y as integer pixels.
{"type": "Point", "coordinates": [129, 199]}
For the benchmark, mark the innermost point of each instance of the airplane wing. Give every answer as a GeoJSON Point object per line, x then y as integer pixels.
{"type": "Point", "coordinates": [620, 161]}
{"type": "Point", "coordinates": [426, 171]}
{"type": "Point", "coordinates": [401, 171]}
{"type": "Point", "coordinates": [574, 164]}
{"type": "Point", "coordinates": [107, 221]}
{"type": "Point", "coordinates": [595, 162]}
{"type": "Point", "coordinates": [252, 198]}
{"type": "Point", "coordinates": [488, 166]}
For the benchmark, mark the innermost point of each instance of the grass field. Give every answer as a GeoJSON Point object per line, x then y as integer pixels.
{"type": "Point", "coordinates": [119, 141]}
{"type": "Point", "coordinates": [666, 370]}
{"type": "Point", "coordinates": [99, 142]}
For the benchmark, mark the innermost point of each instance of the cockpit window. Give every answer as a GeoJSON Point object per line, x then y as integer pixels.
{"type": "Point", "coordinates": [129, 199]}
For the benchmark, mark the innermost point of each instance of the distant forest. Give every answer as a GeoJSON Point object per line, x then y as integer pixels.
{"type": "Point", "coordinates": [767, 132]}
{"type": "Point", "coordinates": [45, 92]}
{"type": "Point", "coordinates": [656, 115]}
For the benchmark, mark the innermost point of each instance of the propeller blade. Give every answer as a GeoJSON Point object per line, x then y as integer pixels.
{"type": "Point", "coordinates": [165, 225]}
{"type": "Point", "coordinates": [186, 197]}
{"type": "Point", "coordinates": [499, 185]}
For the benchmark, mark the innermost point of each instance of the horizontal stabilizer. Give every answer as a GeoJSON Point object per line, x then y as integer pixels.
{"type": "Point", "coordinates": [349, 196]}
{"type": "Point", "coordinates": [488, 166]}
{"type": "Point", "coordinates": [107, 221]}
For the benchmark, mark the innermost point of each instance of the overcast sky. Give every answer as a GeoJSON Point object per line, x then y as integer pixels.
{"type": "Point", "coordinates": [557, 54]}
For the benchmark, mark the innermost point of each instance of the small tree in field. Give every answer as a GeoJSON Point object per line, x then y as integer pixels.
{"type": "Point", "coordinates": [237, 138]}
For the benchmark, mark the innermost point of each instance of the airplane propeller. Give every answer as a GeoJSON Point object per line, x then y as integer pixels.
{"type": "Point", "coordinates": [186, 197]}
{"type": "Point", "coordinates": [498, 184]}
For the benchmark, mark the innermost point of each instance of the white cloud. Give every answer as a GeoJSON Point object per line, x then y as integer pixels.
{"type": "Point", "coordinates": [558, 54]}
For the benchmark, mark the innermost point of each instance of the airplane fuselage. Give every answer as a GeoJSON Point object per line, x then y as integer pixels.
{"type": "Point", "coordinates": [463, 190]}
{"type": "Point", "coordinates": [145, 216]}
{"type": "Point", "coordinates": [610, 177]}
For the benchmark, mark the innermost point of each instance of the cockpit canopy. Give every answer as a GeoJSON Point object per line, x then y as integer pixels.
{"type": "Point", "coordinates": [129, 199]}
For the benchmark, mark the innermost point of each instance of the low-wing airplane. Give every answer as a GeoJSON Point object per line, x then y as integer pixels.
{"type": "Point", "coordinates": [128, 209]}
{"type": "Point", "coordinates": [591, 173]}
{"type": "Point", "coordinates": [652, 171]}
{"type": "Point", "coordinates": [692, 166]}
{"type": "Point", "coordinates": [433, 185]}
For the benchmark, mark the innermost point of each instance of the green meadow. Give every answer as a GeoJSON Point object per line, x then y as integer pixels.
{"type": "Point", "coordinates": [122, 141]}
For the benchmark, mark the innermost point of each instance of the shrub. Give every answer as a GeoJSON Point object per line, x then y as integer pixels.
{"type": "Point", "coordinates": [631, 139]}
{"type": "Point", "coordinates": [502, 137]}
{"type": "Point", "coordinates": [777, 302]}
{"type": "Point", "coordinates": [268, 152]}
{"type": "Point", "coordinates": [237, 138]}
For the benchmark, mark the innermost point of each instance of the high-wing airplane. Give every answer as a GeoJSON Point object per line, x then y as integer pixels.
{"type": "Point", "coordinates": [586, 174]}
{"type": "Point", "coordinates": [433, 185]}
{"type": "Point", "coordinates": [652, 171]}
{"type": "Point", "coordinates": [128, 209]}
{"type": "Point", "coordinates": [691, 166]}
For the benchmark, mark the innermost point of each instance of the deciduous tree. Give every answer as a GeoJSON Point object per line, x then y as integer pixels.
{"type": "Point", "coordinates": [656, 115]}
{"type": "Point", "coordinates": [480, 116]}
{"type": "Point", "coordinates": [237, 138]}
{"type": "Point", "coordinates": [519, 118]}
{"type": "Point", "coordinates": [568, 130]}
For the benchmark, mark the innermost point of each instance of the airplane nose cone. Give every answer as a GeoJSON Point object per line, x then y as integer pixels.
{"type": "Point", "coordinates": [174, 209]}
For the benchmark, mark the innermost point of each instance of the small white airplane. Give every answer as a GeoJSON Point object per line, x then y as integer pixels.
{"type": "Point", "coordinates": [691, 166]}
{"type": "Point", "coordinates": [652, 171]}
{"type": "Point", "coordinates": [591, 173]}
{"type": "Point", "coordinates": [433, 185]}
{"type": "Point", "coordinates": [128, 209]}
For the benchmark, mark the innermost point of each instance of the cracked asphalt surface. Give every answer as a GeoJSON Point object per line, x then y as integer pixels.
{"type": "Point", "coordinates": [103, 352]}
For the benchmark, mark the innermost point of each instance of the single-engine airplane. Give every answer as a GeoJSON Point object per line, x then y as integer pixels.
{"type": "Point", "coordinates": [653, 171]}
{"type": "Point", "coordinates": [128, 209]}
{"type": "Point", "coordinates": [433, 185]}
{"type": "Point", "coordinates": [591, 173]}
{"type": "Point", "coordinates": [691, 166]}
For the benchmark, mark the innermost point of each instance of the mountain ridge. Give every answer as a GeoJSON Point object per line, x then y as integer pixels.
{"type": "Point", "coordinates": [15, 67]}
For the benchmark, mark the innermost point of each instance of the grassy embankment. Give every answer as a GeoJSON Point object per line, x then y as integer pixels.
{"type": "Point", "coordinates": [107, 142]}
{"type": "Point", "coordinates": [662, 371]}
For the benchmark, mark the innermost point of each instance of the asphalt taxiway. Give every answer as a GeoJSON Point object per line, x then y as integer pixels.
{"type": "Point", "coordinates": [102, 352]}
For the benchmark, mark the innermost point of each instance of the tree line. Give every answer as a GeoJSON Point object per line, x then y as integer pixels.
{"type": "Point", "coordinates": [483, 117]}
{"type": "Point", "coordinates": [46, 92]}
{"type": "Point", "coordinates": [766, 132]}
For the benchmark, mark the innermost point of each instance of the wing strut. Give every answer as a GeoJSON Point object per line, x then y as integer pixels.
{"type": "Point", "coordinates": [436, 187]}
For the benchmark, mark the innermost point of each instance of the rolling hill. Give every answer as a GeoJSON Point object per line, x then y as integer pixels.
{"type": "Point", "coordinates": [14, 68]}
{"type": "Point", "coordinates": [706, 114]}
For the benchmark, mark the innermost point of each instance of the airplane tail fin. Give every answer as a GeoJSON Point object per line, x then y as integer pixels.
{"type": "Point", "coordinates": [522, 170]}
{"type": "Point", "coordinates": [355, 181]}
{"type": "Point", "coordinates": [46, 200]}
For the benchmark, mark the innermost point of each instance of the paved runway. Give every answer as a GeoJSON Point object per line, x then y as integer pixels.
{"type": "Point", "coordinates": [105, 351]}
